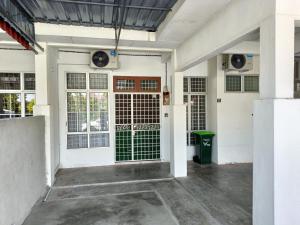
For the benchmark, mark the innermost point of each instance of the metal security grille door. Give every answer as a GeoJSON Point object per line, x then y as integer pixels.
{"type": "Point", "coordinates": [137, 126]}
{"type": "Point", "coordinates": [137, 107]}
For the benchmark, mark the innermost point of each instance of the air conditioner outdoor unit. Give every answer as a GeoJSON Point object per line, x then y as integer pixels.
{"type": "Point", "coordinates": [104, 59]}
{"type": "Point", "coordinates": [238, 62]}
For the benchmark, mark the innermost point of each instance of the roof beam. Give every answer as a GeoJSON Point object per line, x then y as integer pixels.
{"type": "Point", "coordinates": [109, 4]}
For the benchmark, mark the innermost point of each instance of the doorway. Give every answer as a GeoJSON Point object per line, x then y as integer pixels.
{"type": "Point", "coordinates": [138, 123]}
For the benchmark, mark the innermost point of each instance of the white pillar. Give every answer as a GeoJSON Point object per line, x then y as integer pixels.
{"type": "Point", "coordinates": [178, 129]}
{"type": "Point", "coordinates": [276, 166]}
{"type": "Point", "coordinates": [43, 108]}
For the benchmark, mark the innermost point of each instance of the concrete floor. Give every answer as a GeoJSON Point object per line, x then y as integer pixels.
{"type": "Point", "coordinates": [210, 195]}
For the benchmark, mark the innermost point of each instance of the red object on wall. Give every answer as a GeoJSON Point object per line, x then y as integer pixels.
{"type": "Point", "coordinates": [14, 34]}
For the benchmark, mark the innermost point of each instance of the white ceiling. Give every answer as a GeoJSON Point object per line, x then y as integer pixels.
{"type": "Point", "coordinates": [189, 17]}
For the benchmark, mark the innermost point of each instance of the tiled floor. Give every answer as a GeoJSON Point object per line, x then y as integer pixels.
{"type": "Point", "coordinates": [210, 195]}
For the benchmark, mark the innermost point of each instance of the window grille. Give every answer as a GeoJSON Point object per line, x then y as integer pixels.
{"type": "Point", "coordinates": [233, 83]}
{"type": "Point", "coordinates": [195, 100]}
{"type": "Point", "coordinates": [241, 83]}
{"type": "Point", "coordinates": [87, 110]}
{"type": "Point", "coordinates": [251, 83]}
{"type": "Point", "coordinates": [98, 81]}
{"type": "Point", "coordinates": [29, 81]}
{"type": "Point", "coordinates": [17, 94]}
{"type": "Point", "coordinates": [137, 84]}
{"type": "Point", "coordinates": [76, 81]}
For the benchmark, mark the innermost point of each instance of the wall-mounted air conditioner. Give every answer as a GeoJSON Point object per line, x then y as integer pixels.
{"type": "Point", "coordinates": [238, 62]}
{"type": "Point", "coordinates": [104, 59]}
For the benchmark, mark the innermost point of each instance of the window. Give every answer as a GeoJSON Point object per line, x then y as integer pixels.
{"type": "Point", "coordinates": [233, 83]}
{"type": "Point", "coordinates": [194, 89]}
{"type": "Point", "coordinates": [137, 84]}
{"type": "Point", "coordinates": [242, 83]}
{"type": "Point", "coordinates": [87, 110]}
{"type": "Point", "coordinates": [17, 94]}
{"type": "Point", "coordinates": [251, 83]}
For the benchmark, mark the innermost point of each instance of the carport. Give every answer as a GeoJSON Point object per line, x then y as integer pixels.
{"type": "Point", "coordinates": [99, 100]}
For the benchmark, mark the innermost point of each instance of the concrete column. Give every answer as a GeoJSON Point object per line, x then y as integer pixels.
{"type": "Point", "coordinates": [43, 108]}
{"type": "Point", "coordinates": [276, 199]}
{"type": "Point", "coordinates": [178, 129]}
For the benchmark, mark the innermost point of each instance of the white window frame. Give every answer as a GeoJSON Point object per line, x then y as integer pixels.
{"type": "Point", "coordinates": [189, 105]}
{"type": "Point", "coordinates": [21, 91]}
{"type": "Point", "coordinates": [242, 82]}
{"type": "Point", "coordinates": [87, 90]}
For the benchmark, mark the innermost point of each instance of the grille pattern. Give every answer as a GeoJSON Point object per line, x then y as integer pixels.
{"type": "Point", "coordinates": [146, 108]}
{"type": "Point", "coordinates": [149, 85]}
{"type": "Point", "coordinates": [98, 81]}
{"type": "Point", "coordinates": [123, 108]}
{"type": "Point", "coordinates": [76, 81]}
{"type": "Point", "coordinates": [10, 105]}
{"type": "Point", "coordinates": [10, 81]}
{"type": "Point", "coordinates": [76, 141]}
{"type": "Point", "coordinates": [77, 116]}
{"type": "Point", "coordinates": [198, 84]}
{"type": "Point", "coordinates": [144, 141]}
{"type": "Point", "coordinates": [125, 85]}
{"type": "Point", "coordinates": [29, 81]}
{"type": "Point", "coordinates": [251, 83]}
{"type": "Point", "coordinates": [233, 83]}
{"type": "Point", "coordinates": [147, 145]}
{"type": "Point", "coordinates": [87, 111]}
{"type": "Point", "coordinates": [185, 84]}
{"type": "Point", "coordinates": [99, 111]}
{"type": "Point", "coordinates": [195, 98]}
{"type": "Point", "coordinates": [29, 103]}
{"type": "Point", "coordinates": [198, 115]}
{"type": "Point", "coordinates": [124, 145]}
{"type": "Point", "coordinates": [99, 140]}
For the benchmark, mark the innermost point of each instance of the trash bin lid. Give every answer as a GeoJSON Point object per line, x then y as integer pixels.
{"type": "Point", "coordinates": [204, 133]}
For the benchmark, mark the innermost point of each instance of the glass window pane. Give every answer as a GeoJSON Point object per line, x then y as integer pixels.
{"type": "Point", "coordinates": [75, 141]}
{"type": "Point", "coordinates": [98, 81]}
{"type": "Point", "coordinates": [77, 112]}
{"type": "Point", "coordinates": [99, 140]}
{"type": "Point", "coordinates": [198, 115]}
{"type": "Point", "coordinates": [251, 83]}
{"type": "Point", "coordinates": [198, 84]}
{"type": "Point", "coordinates": [233, 83]}
{"type": "Point", "coordinates": [149, 85]}
{"type": "Point", "coordinates": [76, 81]}
{"type": "Point", "coordinates": [99, 112]}
{"type": "Point", "coordinates": [29, 103]}
{"type": "Point", "coordinates": [10, 81]}
{"type": "Point", "coordinates": [186, 84]}
{"type": "Point", "coordinates": [10, 105]}
{"type": "Point", "coordinates": [125, 85]}
{"type": "Point", "coordinates": [29, 81]}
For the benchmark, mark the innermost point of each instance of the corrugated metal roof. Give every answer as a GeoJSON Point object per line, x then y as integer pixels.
{"type": "Point", "coordinates": [139, 14]}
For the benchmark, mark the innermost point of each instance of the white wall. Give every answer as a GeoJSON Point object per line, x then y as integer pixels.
{"type": "Point", "coordinates": [212, 123]}
{"type": "Point", "coordinates": [54, 104]}
{"type": "Point", "coordinates": [129, 66]}
{"type": "Point", "coordinates": [16, 61]}
{"type": "Point", "coordinates": [233, 142]}
{"type": "Point", "coordinates": [22, 167]}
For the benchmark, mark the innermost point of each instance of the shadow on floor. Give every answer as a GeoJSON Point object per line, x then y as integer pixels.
{"type": "Point", "coordinates": [210, 195]}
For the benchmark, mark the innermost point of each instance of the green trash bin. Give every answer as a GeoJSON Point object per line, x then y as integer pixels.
{"type": "Point", "coordinates": [204, 147]}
